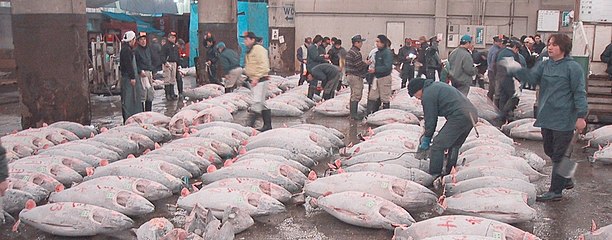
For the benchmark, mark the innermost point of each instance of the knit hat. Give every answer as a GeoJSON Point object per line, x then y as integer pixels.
{"type": "Point", "coordinates": [220, 45]}
{"type": "Point", "coordinates": [415, 85]}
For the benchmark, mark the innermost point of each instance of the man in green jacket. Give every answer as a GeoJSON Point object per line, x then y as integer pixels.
{"type": "Point", "coordinates": [329, 75]}
{"type": "Point", "coordinates": [380, 89]}
{"type": "Point", "coordinates": [441, 100]}
{"type": "Point", "coordinates": [562, 105]}
{"type": "Point", "coordinates": [461, 65]}
{"type": "Point", "coordinates": [230, 64]}
{"type": "Point", "coordinates": [314, 59]}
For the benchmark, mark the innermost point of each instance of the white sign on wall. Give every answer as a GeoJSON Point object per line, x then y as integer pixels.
{"type": "Point", "coordinates": [596, 11]}
{"type": "Point", "coordinates": [548, 20]}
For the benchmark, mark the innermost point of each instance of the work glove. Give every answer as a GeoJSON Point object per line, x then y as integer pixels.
{"type": "Point", "coordinates": [425, 142]}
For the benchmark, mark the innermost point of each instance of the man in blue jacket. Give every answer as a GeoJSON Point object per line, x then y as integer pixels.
{"type": "Point", "coordinates": [562, 105]}
{"type": "Point", "coordinates": [442, 100]}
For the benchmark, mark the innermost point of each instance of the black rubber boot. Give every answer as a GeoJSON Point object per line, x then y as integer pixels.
{"type": "Point", "coordinates": [386, 105]}
{"type": "Point", "coordinates": [167, 91]}
{"type": "Point", "coordinates": [173, 95]}
{"type": "Point", "coordinates": [311, 92]}
{"type": "Point", "coordinates": [370, 108]}
{"type": "Point", "coordinates": [354, 106]}
{"type": "Point", "coordinates": [266, 115]}
{"type": "Point", "coordinates": [251, 119]}
{"type": "Point", "coordinates": [377, 105]}
{"type": "Point", "coordinates": [148, 105]}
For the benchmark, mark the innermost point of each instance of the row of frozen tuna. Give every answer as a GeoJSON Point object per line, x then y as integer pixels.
{"type": "Point", "coordinates": [125, 188]}
{"type": "Point", "coordinates": [102, 201]}
{"type": "Point", "coordinates": [28, 142]}
{"type": "Point", "coordinates": [600, 138]}
{"type": "Point", "coordinates": [270, 170]}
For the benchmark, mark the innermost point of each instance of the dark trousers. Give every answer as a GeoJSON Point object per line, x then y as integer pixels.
{"type": "Point", "coordinates": [407, 73]}
{"type": "Point", "coordinates": [491, 92]}
{"type": "Point", "coordinates": [555, 145]}
{"type": "Point", "coordinates": [430, 73]}
{"type": "Point", "coordinates": [179, 83]}
{"type": "Point", "coordinates": [450, 137]}
{"type": "Point", "coordinates": [302, 77]}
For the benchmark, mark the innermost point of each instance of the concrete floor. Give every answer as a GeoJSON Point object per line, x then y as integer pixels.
{"type": "Point", "coordinates": [589, 200]}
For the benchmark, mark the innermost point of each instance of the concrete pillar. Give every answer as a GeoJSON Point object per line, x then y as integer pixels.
{"type": "Point", "coordinates": [50, 40]}
{"type": "Point", "coordinates": [219, 18]}
{"type": "Point", "coordinates": [440, 22]}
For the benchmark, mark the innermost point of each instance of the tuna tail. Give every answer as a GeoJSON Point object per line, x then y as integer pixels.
{"type": "Point", "coordinates": [157, 146]}
{"type": "Point", "coordinates": [186, 134]}
{"type": "Point", "coordinates": [16, 226]}
{"type": "Point", "coordinates": [253, 132]}
{"type": "Point", "coordinates": [312, 175]}
{"type": "Point", "coordinates": [313, 203]}
{"type": "Point", "coordinates": [131, 156]}
{"type": "Point", "coordinates": [593, 226]}
{"type": "Point", "coordinates": [211, 169]}
{"type": "Point", "coordinates": [441, 205]}
{"type": "Point", "coordinates": [103, 162]}
{"type": "Point", "coordinates": [185, 192]}
{"type": "Point", "coordinates": [91, 135]}
{"type": "Point", "coordinates": [242, 150]}
{"type": "Point", "coordinates": [229, 162]}
{"type": "Point", "coordinates": [103, 129]}
{"type": "Point", "coordinates": [90, 170]}
{"type": "Point", "coordinates": [45, 124]}
{"type": "Point", "coordinates": [340, 170]}
{"type": "Point", "coordinates": [146, 151]}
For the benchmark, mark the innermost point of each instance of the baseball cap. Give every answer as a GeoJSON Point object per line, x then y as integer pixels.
{"type": "Point", "coordinates": [358, 38]}
{"type": "Point", "coordinates": [251, 35]}
{"type": "Point", "coordinates": [466, 39]}
{"type": "Point", "coordinates": [415, 85]}
{"type": "Point", "coordinates": [142, 34]}
{"type": "Point", "coordinates": [128, 36]}
{"type": "Point", "coordinates": [172, 34]}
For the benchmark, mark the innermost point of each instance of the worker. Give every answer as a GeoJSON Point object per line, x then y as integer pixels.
{"type": "Point", "coordinates": [313, 59]}
{"type": "Point", "coordinates": [442, 100]}
{"type": "Point", "coordinates": [461, 65]}
{"type": "Point", "coordinates": [380, 89]}
{"type": "Point", "coordinates": [170, 59]}
{"type": "Point", "coordinates": [507, 99]}
{"type": "Point", "coordinates": [145, 69]}
{"type": "Point", "coordinates": [406, 56]}
{"type": "Point", "coordinates": [130, 88]}
{"type": "Point", "coordinates": [329, 75]}
{"type": "Point", "coordinates": [302, 55]}
{"type": "Point", "coordinates": [256, 68]}
{"type": "Point", "coordinates": [562, 105]}
{"type": "Point", "coordinates": [356, 70]}
{"type": "Point", "coordinates": [230, 65]}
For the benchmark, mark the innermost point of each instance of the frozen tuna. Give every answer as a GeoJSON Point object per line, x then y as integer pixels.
{"type": "Point", "coordinates": [253, 185]}
{"type": "Point", "coordinates": [148, 189]}
{"type": "Point", "coordinates": [218, 199]}
{"type": "Point", "coordinates": [119, 200]}
{"type": "Point", "coordinates": [387, 116]}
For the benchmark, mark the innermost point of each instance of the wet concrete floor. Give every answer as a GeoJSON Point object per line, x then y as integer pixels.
{"type": "Point", "coordinates": [589, 200]}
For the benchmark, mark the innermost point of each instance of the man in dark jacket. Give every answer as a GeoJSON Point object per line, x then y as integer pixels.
{"type": "Point", "coordinates": [530, 56]}
{"type": "Point", "coordinates": [461, 65]}
{"type": "Point", "coordinates": [356, 69]}
{"type": "Point", "coordinates": [329, 75]}
{"type": "Point", "coordinates": [606, 57]}
{"type": "Point", "coordinates": [212, 56]}
{"type": "Point", "coordinates": [337, 57]}
{"type": "Point", "coordinates": [432, 59]}
{"type": "Point", "coordinates": [406, 56]}
{"type": "Point", "coordinates": [170, 59]}
{"type": "Point", "coordinates": [156, 49]}
{"type": "Point", "coordinates": [480, 60]}
{"type": "Point", "coordinates": [230, 65]}
{"type": "Point", "coordinates": [315, 57]}
{"type": "Point", "coordinates": [145, 69]}
{"type": "Point", "coordinates": [442, 100]}
{"type": "Point", "coordinates": [506, 102]}
{"type": "Point", "coordinates": [302, 55]}
{"type": "Point", "coordinates": [131, 90]}
{"type": "Point", "coordinates": [538, 46]}
{"type": "Point", "coordinates": [380, 89]}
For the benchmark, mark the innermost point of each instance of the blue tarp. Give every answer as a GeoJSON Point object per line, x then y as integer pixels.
{"type": "Point", "coordinates": [193, 34]}
{"type": "Point", "coordinates": [141, 25]}
{"type": "Point", "coordinates": [254, 20]}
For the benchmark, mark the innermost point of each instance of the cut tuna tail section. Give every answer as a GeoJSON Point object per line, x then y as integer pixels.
{"type": "Point", "coordinates": [211, 169]}
{"type": "Point", "coordinates": [312, 175]}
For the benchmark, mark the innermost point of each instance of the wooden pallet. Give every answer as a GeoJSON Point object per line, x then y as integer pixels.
{"type": "Point", "coordinates": [599, 96]}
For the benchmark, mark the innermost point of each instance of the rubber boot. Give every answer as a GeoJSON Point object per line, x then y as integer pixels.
{"type": "Point", "coordinates": [167, 91]}
{"type": "Point", "coordinates": [311, 92]}
{"type": "Point", "coordinates": [451, 161]}
{"type": "Point", "coordinates": [171, 92]}
{"type": "Point", "coordinates": [251, 119]}
{"type": "Point", "coordinates": [266, 115]}
{"type": "Point", "coordinates": [148, 105]}
{"type": "Point", "coordinates": [354, 106]}
{"type": "Point", "coordinates": [377, 105]}
{"type": "Point", "coordinates": [386, 105]}
{"type": "Point", "coordinates": [370, 108]}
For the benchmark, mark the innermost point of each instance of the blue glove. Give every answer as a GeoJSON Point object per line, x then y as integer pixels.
{"type": "Point", "coordinates": [425, 142]}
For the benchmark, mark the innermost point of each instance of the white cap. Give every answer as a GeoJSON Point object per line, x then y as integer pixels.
{"type": "Point", "coordinates": [128, 36]}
